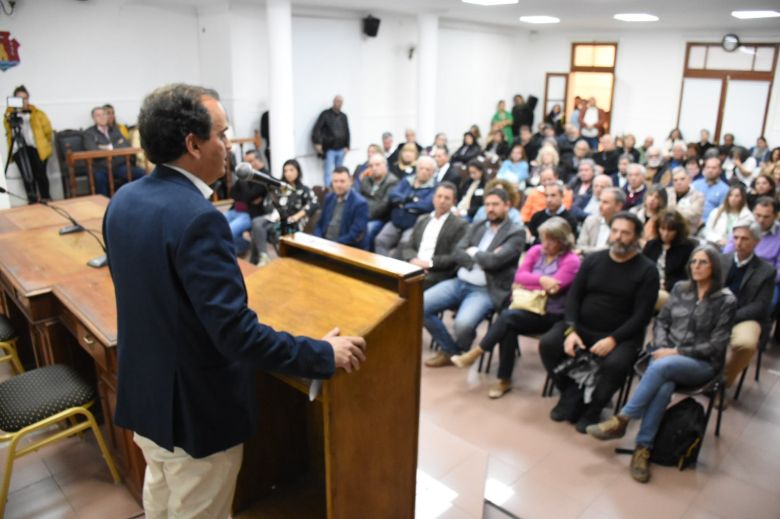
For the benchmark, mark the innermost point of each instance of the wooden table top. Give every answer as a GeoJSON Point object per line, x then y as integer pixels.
{"type": "Point", "coordinates": [36, 215]}
{"type": "Point", "coordinates": [34, 260]}
{"type": "Point", "coordinates": [303, 299]}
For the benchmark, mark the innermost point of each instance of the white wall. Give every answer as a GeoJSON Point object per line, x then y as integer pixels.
{"type": "Point", "coordinates": [76, 55]}
{"type": "Point", "coordinates": [648, 76]}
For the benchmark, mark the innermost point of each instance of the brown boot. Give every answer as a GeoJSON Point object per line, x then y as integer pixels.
{"type": "Point", "coordinates": [500, 388]}
{"type": "Point", "coordinates": [438, 360]}
{"type": "Point", "coordinates": [610, 429]}
{"type": "Point", "coordinates": [640, 464]}
{"type": "Point", "coordinates": [465, 360]}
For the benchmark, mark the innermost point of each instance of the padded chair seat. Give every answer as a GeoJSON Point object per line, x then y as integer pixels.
{"type": "Point", "coordinates": [7, 331]}
{"type": "Point", "coordinates": [32, 396]}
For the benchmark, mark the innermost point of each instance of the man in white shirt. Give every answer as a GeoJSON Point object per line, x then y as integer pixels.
{"type": "Point", "coordinates": [435, 236]}
{"type": "Point", "coordinates": [595, 229]}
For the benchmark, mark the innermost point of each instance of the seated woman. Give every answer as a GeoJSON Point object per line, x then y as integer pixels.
{"type": "Point", "coordinates": [762, 185]}
{"type": "Point", "coordinates": [515, 168]}
{"type": "Point", "coordinates": [471, 191]}
{"type": "Point", "coordinates": [656, 200]}
{"type": "Point", "coordinates": [546, 158]}
{"type": "Point", "coordinates": [497, 146]}
{"type": "Point", "coordinates": [406, 165]}
{"type": "Point", "coordinates": [468, 151]}
{"type": "Point", "coordinates": [297, 207]}
{"type": "Point", "coordinates": [549, 266]}
{"type": "Point", "coordinates": [734, 208]}
{"type": "Point", "coordinates": [690, 339]}
{"type": "Point", "coordinates": [670, 251]}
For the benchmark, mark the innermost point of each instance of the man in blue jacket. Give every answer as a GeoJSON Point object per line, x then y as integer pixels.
{"type": "Point", "coordinates": [188, 345]}
{"type": "Point", "coordinates": [344, 215]}
{"type": "Point", "coordinates": [410, 198]}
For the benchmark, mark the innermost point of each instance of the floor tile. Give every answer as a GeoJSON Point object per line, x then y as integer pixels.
{"type": "Point", "coordinates": [730, 497]}
{"type": "Point", "coordinates": [41, 500]}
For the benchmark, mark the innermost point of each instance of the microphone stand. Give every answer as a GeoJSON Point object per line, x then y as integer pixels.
{"type": "Point", "coordinates": [97, 262]}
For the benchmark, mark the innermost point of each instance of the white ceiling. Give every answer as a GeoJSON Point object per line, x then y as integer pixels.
{"type": "Point", "coordinates": [586, 15]}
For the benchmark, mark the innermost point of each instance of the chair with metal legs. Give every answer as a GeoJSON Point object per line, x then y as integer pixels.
{"type": "Point", "coordinates": [8, 340]}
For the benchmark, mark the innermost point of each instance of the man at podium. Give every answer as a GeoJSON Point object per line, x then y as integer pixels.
{"type": "Point", "coordinates": [188, 345]}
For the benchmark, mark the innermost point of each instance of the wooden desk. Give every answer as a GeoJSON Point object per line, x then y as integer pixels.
{"type": "Point", "coordinates": [36, 215]}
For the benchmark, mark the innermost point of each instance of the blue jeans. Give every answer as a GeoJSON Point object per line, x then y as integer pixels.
{"type": "Point", "coordinates": [473, 304]}
{"type": "Point", "coordinates": [593, 142]}
{"type": "Point", "coordinates": [333, 159]}
{"type": "Point", "coordinates": [239, 222]}
{"type": "Point", "coordinates": [373, 228]}
{"type": "Point", "coordinates": [120, 173]}
{"type": "Point", "coordinates": [655, 390]}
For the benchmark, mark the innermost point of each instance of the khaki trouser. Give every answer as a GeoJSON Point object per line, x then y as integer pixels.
{"type": "Point", "coordinates": [177, 485]}
{"type": "Point", "coordinates": [663, 297]}
{"type": "Point", "coordinates": [743, 345]}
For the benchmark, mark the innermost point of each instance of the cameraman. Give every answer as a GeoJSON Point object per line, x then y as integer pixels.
{"type": "Point", "coordinates": [32, 146]}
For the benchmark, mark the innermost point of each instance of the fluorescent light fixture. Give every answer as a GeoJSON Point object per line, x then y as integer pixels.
{"type": "Point", "coordinates": [490, 2]}
{"type": "Point", "coordinates": [750, 15]}
{"type": "Point", "coordinates": [636, 17]}
{"type": "Point", "coordinates": [539, 19]}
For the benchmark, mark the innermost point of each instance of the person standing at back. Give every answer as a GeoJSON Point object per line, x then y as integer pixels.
{"type": "Point", "coordinates": [188, 345]}
{"type": "Point", "coordinates": [331, 138]}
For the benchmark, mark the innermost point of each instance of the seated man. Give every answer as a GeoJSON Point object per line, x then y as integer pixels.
{"type": "Point", "coordinates": [711, 185]}
{"type": "Point", "coordinates": [344, 213]}
{"type": "Point", "coordinates": [608, 157]}
{"type": "Point", "coordinates": [101, 136]}
{"type": "Point", "coordinates": [248, 203]}
{"type": "Point", "coordinates": [635, 187]}
{"type": "Point", "coordinates": [595, 231]}
{"type": "Point", "coordinates": [751, 279]}
{"type": "Point", "coordinates": [410, 198]}
{"type": "Point", "coordinates": [444, 171]}
{"type": "Point", "coordinates": [608, 308]}
{"type": "Point", "coordinates": [684, 198]}
{"type": "Point", "coordinates": [554, 194]}
{"type": "Point", "coordinates": [435, 236]}
{"type": "Point", "coordinates": [536, 198]}
{"type": "Point", "coordinates": [487, 256]}
{"type": "Point", "coordinates": [768, 249]}
{"type": "Point", "coordinates": [584, 206]}
{"type": "Point", "coordinates": [375, 187]}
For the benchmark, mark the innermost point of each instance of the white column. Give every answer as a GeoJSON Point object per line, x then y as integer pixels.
{"type": "Point", "coordinates": [280, 102]}
{"type": "Point", "coordinates": [427, 62]}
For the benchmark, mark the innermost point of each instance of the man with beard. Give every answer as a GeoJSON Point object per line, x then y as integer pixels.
{"type": "Point", "coordinates": [608, 308]}
{"type": "Point", "coordinates": [487, 256]}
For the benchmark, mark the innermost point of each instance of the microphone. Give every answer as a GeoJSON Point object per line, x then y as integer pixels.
{"type": "Point", "coordinates": [99, 261]}
{"type": "Point", "coordinates": [244, 171]}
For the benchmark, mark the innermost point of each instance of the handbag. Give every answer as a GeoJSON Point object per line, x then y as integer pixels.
{"type": "Point", "coordinates": [534, 301]}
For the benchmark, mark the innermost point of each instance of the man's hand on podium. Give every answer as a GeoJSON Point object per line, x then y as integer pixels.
{"type": "Point", "coordinates": [348, 352]}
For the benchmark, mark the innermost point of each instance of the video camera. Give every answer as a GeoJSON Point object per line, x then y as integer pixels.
{"type": "Point", "coordinates": [14, 116]}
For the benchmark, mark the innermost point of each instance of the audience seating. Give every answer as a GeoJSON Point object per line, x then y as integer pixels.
{"type": "Point", "coordinates": [67, 141]}
{"type": "Point", "coordinates": [73, 157]}
{"type": "Point", "coordinates": [8, 339]}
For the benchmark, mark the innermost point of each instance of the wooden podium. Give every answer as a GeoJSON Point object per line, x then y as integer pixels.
{"type": "Point", "coordinates": [352, 452]}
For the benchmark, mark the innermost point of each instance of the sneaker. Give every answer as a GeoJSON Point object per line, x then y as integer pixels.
{"type": "Point", "coordinates": [465, 360]}
{"type": "Point", "coordinates": [438, 360]}
{"type": "Point", "coordinates": [640, 464]}
{"type": "Point", "coordinates": [611, 429]}
{"type": "Point", "coordinates": [499, 389]}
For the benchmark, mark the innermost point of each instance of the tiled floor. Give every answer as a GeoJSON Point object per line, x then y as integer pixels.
{"type": "Point", "coordinates": [506, 450]}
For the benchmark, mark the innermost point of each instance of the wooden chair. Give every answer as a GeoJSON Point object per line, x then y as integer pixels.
{"type": "Point", "coordinates": [72, 157]}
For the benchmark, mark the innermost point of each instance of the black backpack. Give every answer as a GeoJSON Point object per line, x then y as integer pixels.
{"type": "Point", "coordinates": [680, 435]}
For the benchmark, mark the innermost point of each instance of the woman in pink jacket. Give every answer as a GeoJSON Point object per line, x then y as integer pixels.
{"type": "Point", "coordinates": [549, 266]}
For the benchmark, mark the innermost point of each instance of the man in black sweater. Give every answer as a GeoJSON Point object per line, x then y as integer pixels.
{"type": "Point", "coordinates": [608, 308]}
{"type": "Point", "coordinates": [330, 137]}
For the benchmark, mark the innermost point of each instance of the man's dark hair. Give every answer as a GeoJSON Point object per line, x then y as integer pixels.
{"type": "Point", "coordinates": [167, 116]}
{"type": "Point", "coordinates": [252, 153]}
{"type": "Point", "coordinates": [631, 217]}
{"type": "Point", "coordinates": [341, 169]}
{"type": "Point", "coordinates": [448, 185]}
{"type": "Point", "coordinates": [107, 106]}
{"type": "Point", "coordinates": [20, 89]}
{"type": "Point", "coordinates": [766, 201]}
{"type": "Point", "coordinates": [96, 109]}
{"type": "Point", "coordinates": [476, 163]}
{"type": "Point", "coordinates": [500, 193]}
{"type": "Point", "coordinates": [692, 160]}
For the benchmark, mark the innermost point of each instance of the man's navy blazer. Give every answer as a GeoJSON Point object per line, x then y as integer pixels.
{"type": "Point", "coordinates": [188, 345]}
{"type": "Point", "coordinates": [354, 219]}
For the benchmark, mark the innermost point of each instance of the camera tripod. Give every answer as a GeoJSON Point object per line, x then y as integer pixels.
{"type": "Point", "coordinates": [23, 160]}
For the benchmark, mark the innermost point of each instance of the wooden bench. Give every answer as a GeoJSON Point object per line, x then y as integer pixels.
{"type": "Point", "coordinates": [72, 157]}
